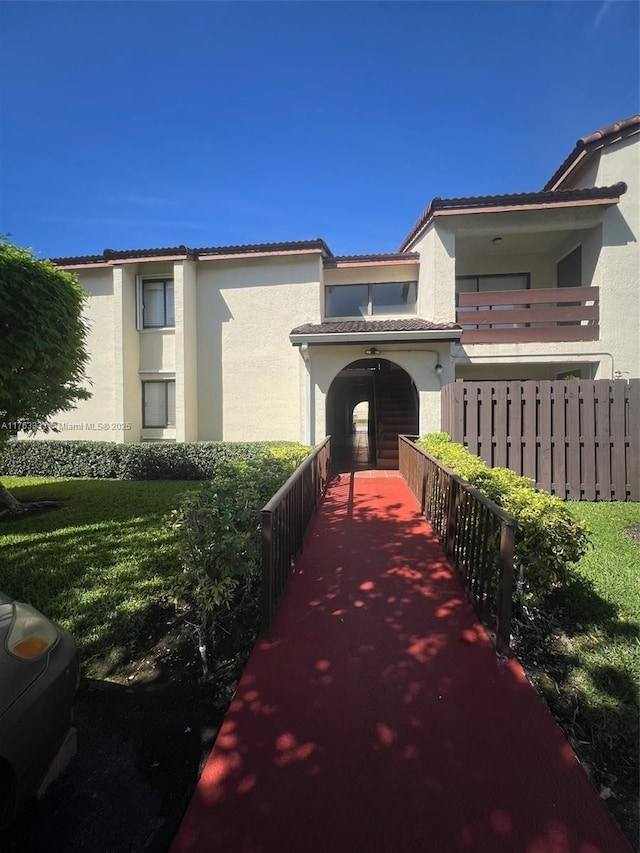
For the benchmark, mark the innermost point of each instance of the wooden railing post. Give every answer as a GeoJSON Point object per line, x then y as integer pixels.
{"type": "Point", "coordinates": [505, 587]}
{"type": "Point", "coordinates": [266, 522]}
{"type": "Point", "coordinates": [451, 517]}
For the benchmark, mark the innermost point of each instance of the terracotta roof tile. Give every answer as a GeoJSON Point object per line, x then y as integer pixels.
{"type": "Point", "coordinates": [415, 324]}
{"type": "Point", "coordinates": [388, 256]}
{"type": "Point", "coordinates": [240, 249]}
{"type": "Point", "coordinates": [597, 139]}
{"type": "Point", "coordinates": [612, 130]}
{"type": "Point", "coordinates": [546, 197]}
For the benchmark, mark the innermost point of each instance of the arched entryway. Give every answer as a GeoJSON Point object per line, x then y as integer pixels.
{"type": "Point", "coordinates": [392, 401]}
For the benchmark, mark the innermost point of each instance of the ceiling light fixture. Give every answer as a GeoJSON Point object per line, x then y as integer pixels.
{"type": "Point", "coordinates": [496, 241]}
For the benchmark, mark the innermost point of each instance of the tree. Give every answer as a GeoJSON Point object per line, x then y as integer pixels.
{"type": "Point", "coordinates": [42, 344]}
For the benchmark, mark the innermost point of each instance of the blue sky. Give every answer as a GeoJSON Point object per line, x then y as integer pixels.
{"type": "Point", "coordinates": [131, 125]}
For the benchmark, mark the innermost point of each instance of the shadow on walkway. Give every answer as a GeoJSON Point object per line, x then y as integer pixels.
{"type": "Point", "coordinates": [378, 717]}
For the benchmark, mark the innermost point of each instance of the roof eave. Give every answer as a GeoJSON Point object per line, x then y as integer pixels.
{"type": "Point", "coordinates": [509, 208]}
{"type": "Point", "coordinates": [111, 257]}
{"type": "Point", "coordinates": [413, 336]}
{"type": "Point", "coordinates": [330, 264]}
{"type": "Point", "coordinates": [587, 145]}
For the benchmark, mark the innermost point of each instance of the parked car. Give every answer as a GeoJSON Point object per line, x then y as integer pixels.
{"type": "Point", "coordinates": [39, 675]}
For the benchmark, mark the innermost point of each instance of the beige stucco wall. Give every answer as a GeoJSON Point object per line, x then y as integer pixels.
{"type": "Point", "coordinates": [248, 372]}
{"type": "Point", "coordinates": [127, 356]}
{"type": "Point", "coordinates": [325, 362]}
{"type": "Point", "coordinates": [186, 351]}
{"type": "Point", "coordinates": [436, 283]}
{"type": "Point", "coordinates": [157, 350]}
{"type": "Point", "coordinates": [611, 255]}
{"type": "Point", "coordinates": [618, 269]}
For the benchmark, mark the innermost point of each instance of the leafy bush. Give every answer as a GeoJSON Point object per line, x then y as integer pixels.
{"type": "Point", "coordinates": [145, 461]}
{"type": "Point", "coordinates": [218, 529]}
{"type": "Point", "coordinates": [548, 537]}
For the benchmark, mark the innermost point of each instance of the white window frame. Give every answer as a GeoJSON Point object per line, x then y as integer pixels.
{"type": "Point", "coordinates": [166, 383]}
{"type": "Point", "coordinates": [140, 283]}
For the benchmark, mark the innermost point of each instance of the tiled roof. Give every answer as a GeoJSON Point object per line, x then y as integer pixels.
{"type": "Point", "coordinates": [512, 200]}
{"type": "Point", "coordinates": [110, 255]}
{"type": "Point", "coordinates": [604, 136]}
{"type": "Point", "coordinates": [358, 259]}
{"type": "Point", "coordinates": [415, 324]}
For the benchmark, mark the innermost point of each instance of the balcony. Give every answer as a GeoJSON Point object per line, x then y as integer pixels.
{"type": "Point", "coordinates": [525, 316]}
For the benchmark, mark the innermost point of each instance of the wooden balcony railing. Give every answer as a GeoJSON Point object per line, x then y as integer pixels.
{"type": "Point", "coordinates": [520, 316]}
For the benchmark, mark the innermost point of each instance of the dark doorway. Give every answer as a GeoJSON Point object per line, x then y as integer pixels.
{"type": "Point", "coordinates": [392, 409]}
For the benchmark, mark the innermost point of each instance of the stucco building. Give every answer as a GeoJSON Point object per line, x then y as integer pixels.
{"type": "Point", "coordinates": [281, 340]}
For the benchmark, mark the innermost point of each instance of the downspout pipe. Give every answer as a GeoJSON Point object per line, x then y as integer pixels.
{"type": "Point", "coordinates": [309, 431]}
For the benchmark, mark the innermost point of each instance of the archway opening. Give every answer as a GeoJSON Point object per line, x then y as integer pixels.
{"type": "Point", "coordinates": [360, 416]}
{"type": "Point", "coordinates": [370, 402]}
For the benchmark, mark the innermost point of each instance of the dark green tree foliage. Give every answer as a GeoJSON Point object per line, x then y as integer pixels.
{"type": "Point", "coordinates": [42, 345]}
{"type": "Point", "coordinates": [42, 340]}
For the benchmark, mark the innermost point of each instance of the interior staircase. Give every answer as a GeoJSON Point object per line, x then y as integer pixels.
{"type": "Point", "coordinates": [396, 414]}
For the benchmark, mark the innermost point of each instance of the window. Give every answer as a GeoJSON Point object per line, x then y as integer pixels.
{"type": "Point", "coordinates": [569, 274]}
{"type": "Point", "coordinates": [569, 269]}
{"type": "Point", "coordinates": [490, 283]}
{"type": "Point", "coordinates": [155, 303]}
{"type": "Point", "coordinates": [159, 403]}
{"type": "Point", "coordinates": [568, 375]}
{"type": "Point", "coordinates": [367, 300]}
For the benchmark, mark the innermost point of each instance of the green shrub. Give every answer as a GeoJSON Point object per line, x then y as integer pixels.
{"type": "Point", "coordinates": [145, 461]}
{"type": "Point", "coordinates": [219, 536]}
{"type": "Point", "coordinates": [548, 538]}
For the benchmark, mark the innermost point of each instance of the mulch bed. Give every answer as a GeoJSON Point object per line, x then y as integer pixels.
{"type": "Point", "coordinates": [634, 533]}
{"type": "Point", "coordinates": [142, 742]}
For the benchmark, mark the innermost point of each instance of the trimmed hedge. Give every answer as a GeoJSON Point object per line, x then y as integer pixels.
{"type": "Point", "coordinates": [146, 461]}
{"type": "Point", "coordinates": [548, 538]}
{"type": "Point", "coordinates": [220, 540]}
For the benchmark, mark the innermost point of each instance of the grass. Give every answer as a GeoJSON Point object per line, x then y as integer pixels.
{"type": "Point", "coordinates": [605, 602]}
{"type": "Point", "coordinates": [98, 565]}
{"type": "Point", "coordinates": [581, 648]}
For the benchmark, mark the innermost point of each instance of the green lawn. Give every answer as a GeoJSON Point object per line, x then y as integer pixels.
{"type": "Point", "coordinates": [96, 565]}
{"type": "Point", "coordinates": [583, 651]}
{"type": "Point", "coordinates": [605, 602]}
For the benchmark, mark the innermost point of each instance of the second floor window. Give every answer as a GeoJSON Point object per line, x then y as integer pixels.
{"type": "Point", "coordinates": [157, 303]}
{"type": "Point", "coordinates": [370, 300]}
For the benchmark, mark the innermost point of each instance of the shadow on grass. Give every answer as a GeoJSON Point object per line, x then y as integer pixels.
{"type": "Point", "coordinates": [579, 651]}
{"type": "Point", "coordinates": [98, 565]}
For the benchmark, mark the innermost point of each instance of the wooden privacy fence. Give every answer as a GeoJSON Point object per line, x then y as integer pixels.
{"type": "Point", "coordinates": [284, 521]}
{"type": "Point", "coordinates": [578, 439]}
{"type": "Point", "coordinates": [478, 537]}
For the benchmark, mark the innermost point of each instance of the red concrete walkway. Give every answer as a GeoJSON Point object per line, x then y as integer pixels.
{"type": "Point", "coordinates": [378, 718]}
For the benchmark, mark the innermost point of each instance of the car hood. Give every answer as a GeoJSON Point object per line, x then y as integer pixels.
{"type": "Point", "coordinates": [16, 675]}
